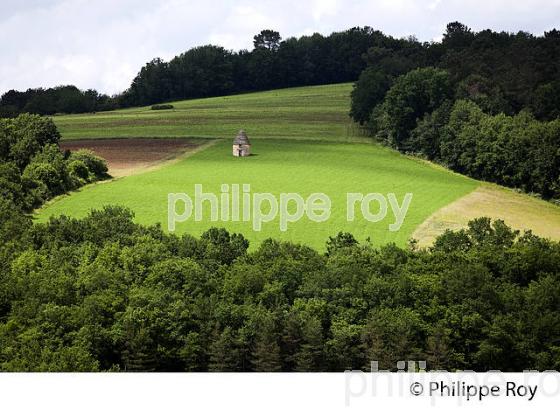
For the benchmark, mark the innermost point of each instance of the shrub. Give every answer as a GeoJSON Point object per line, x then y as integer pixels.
{"type": "Point", "coordinates": [79, 172]}
{"type": "Point", "coordinates": [36, 193]}
{"type": "Point", "coordinates": [162, 107]}
{"type": "Point", "coordinates": [96, 166]}
{"type": "Point", "coordinates": [25, 136]}
{"type": "Point", "coordinates": [45, 173]}
{"type": "Point", "coordinates": [33, 169]}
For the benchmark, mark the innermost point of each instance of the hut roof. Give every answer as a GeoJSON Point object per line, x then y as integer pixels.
{"type": "Point", "coordinates": [241, 138]}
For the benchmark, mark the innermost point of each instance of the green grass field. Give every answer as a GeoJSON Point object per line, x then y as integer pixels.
{"type": "Point", "coordinates": [318, 113]}
{"type": "Point", "coordinates": [285, 166]}
{"type": "Point", "coordinates": [305, 142]}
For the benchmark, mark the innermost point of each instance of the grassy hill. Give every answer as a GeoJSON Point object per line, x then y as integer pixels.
{"type": "Point", "coordinates": [305, 143]}
{"type": "Point", "coordinates": [318, 113]}
{"type": "Point", "coordinates": [281, 166]}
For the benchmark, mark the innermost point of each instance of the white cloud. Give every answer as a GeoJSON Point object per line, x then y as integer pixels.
{"type": "Point", "coordinates": [322, 8]}
{"type": "Point", "coordinates": [433, 5]}
{"type": "Point", "coordinates": [239, 27]}
{"type": "Point", "coordinates": [102, 44]}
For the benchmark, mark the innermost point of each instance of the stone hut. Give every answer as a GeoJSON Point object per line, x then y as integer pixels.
{"type": "Point", "coordinates": [241, 145]}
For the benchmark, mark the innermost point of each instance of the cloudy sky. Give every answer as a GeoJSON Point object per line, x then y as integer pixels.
{"type": "Point", "coordinates": [102, 44]}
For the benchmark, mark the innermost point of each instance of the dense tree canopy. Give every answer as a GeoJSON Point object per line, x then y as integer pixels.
{"type": "Point", "coordinates": [485, 104]}
{"type": "Point", "coordinates": [103, 293]}
{"type": "Point", "coordinates": [63, 99]}
{"type": "Point", "coordinates": [507, 72]}
{"type": "Point", "coordinates": [267, 39]}
{"type": "Point", "coordinates": [211, 70]}
{"type": "Point", "coordinates": [409, 98]}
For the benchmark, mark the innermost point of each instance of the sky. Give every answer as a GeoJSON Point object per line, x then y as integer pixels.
{"type": "Point", "coordinates": [102, 44]}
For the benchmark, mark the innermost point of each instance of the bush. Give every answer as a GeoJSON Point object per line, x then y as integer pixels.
{"type": "Point", "coordinates": [162, 107]}
{"type": "Point", "coordinates": [79, 172]}
{"type": "Point", "coordinates": [33, 169]}
{"type": "Point", "coordinates": [97, 166]}
{"type": "Point", "coordinates": [45, 173]}
{"type": "Point", "coordinates": [36, 193]}
{"type": "Point", "coordinates": [49, 167]}
{"type": "Point", "coordinates": [25, 136]}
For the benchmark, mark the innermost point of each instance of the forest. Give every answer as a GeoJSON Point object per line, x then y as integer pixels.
{"type": "Point", "coordinates": [106, 294]}
{"type": "Point", "coordinates": [62, 99]}
{"type": "Point", "coordinates": [488, 107]}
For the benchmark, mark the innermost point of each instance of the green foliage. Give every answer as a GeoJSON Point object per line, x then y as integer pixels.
{"type": "Point", "coordinates": [210, 70]}
{"type": "Point", "coordinates": [368, 92]}
{"type": "Point", "coordinates": [11, 188]}
{"type": "Point", "coordinates": [78, 171]}
{"type": "Point", "coordinates": [342, 240]}
{"type": "Point", "coordinates": [62, 99]}
{"type": "Point", "coordinates": [162, 107]}
{"type": "Point", "coordinates": [546, 101]}
{"type": "Point", "coordinates": [96, 166]}
{"type": "Point", "coordinates": [418, 115]}
{"type": "Point", "coordinates": [411, 96]}
{"type": "Point", "coordinates": [49, 167]}
{"type": "Point", "coordinates": [103, 293]}
{"type": "Point", "coordinates": [32, 167]}
{"type": "Point", "coordinates": [267, 39]}
{"type": "Point", "coordinates": [499, 74]}
{"type": "Point", "coordinates": [514, 151]}
{"type": "Point", "coordinates": [218, 244]}
{"type": "Point", "coordinates": [427, 137]}
{"type": "Point", "coordinates": [23, 137]}
{"type": "Point", "coordinates": [483, 93]}
{"type": "Point", "coordinates": [457, 36]}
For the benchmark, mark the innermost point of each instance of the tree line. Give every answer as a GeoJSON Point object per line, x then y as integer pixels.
{"type": "Point", "coordinates": [513, 70]}
{"type": "Point", "coordinates": [210, 70]}
{"type": "Point", "coordinates": [105, 294]}
{"type": "Point", "coordinates": [33, 169]}
{"type": "Point", "coordinates": [63, 99]}
{"type": "Point", "coordinates": [487, 107]}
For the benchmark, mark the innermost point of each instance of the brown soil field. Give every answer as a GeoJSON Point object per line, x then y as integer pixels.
{"type": "Point", "coordinates": [127, 156]}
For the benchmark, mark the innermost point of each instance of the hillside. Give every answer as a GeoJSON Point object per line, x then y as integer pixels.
{"type": "Point", "coordinates": [280, 166]}
{"type": "Point", "coordinates": [284, 116]}
{"type": "Point", "coordinates": [317, 113]}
